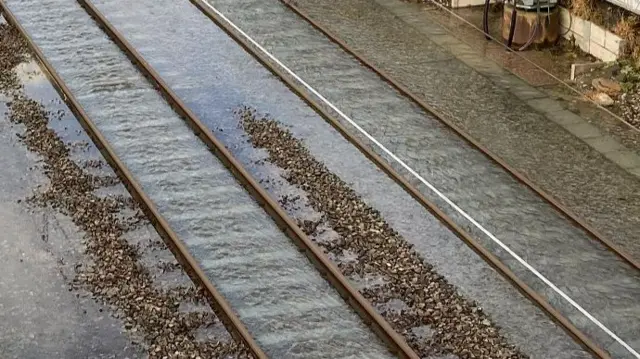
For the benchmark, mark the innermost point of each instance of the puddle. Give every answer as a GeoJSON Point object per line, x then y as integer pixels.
{"type": "Point", "coordinates": [422, 332]}
{"type": "Point", "coordinates": [324, 234]}
{"type": "Point", "coordinates": [215, 332]}
{"type": "Point", "coordinates": [360, 283]}
{"type": "Point", "coordinates": [61, 119]}
{"type": "Point", "coordinates": [394, 305]}
{"type": "Point", "coordinates": [30, 75]}
{"type": "Point", "coordinates": [159, 261]}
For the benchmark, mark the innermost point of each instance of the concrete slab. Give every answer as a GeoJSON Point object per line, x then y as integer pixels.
{"type": "Point", "coordinates": [440, 38]}
{"type": "Point", "coordinates": [525, 92]}
{"type": "Point", "coordinates": [545, 105]}
{"type": "Point", "coordinates": [427, 27]}
{"type": "Point", "coordinates": [584, 130]}
{"type": "Point", "coordinates": [461, 49]}
{"type": "Point", "coordinates": [565, 118]}
{"type": "Point", "coordinates": [624, 158]}
{"type": "Point", "coordinates": [635, 171]}
{"type": "Point", "coordinates": [482, 65]}
{"type": "Point", "coordinates": [604, 144]}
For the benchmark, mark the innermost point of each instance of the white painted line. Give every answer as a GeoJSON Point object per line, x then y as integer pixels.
{"type": "Point", "coordinates": [426, 183]}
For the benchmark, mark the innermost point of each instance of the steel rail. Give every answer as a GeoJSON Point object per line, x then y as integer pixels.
{"type": "Point", "coordinates": [519, 177]}
{"type": "Point", "coordinates": [219, 304]}
{"type": "Point", "coordinates": [485, 254]}
{"type": "Point", "coordinates": [329, 271]}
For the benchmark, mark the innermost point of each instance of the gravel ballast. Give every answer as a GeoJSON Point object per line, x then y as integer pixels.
{"type": "Point", "coordinates": [418, 302]}
{"type": "Point", "coordinates": [630, 107]}
{"type": "Point", "coordinates": [112, 270]}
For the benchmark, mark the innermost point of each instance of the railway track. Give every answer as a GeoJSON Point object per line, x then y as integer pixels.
{"type": "Point", "coordinates": [189, 233]}
{"type": "Point", "coordinates": [220, 20]}
{"type": "Point", "coordinates": [493, 157]}
{"type": "Point", "coordinates": [265, 23]}
{"type": "Point", "coordinates": [290, 310]}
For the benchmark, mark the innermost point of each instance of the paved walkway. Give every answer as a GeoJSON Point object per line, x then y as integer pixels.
{"type": "Point", "coordinates": [588, 170]}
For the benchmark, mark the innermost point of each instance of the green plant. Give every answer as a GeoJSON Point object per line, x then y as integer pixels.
{"type": "Point", "coordinates": [629, 75]}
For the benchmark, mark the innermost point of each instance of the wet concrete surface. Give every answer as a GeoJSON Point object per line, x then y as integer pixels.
{"type": "Point", "coordinates": [222, 77]}
{"type": "Point", "coordinates": [39, 316]}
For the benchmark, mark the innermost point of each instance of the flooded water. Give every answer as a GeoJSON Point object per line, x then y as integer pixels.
{"type": "Point", "coordinates": [585, 270]}
{"type": "Point", "coordinates": [218, 77]}
{"type": "Point", "coordinates": [39, 249]}
{"type": "Point", "coordinates": [288, 307]}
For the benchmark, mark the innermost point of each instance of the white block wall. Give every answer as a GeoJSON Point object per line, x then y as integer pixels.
{"type": "Point", "coordinates": [590, 37]}
{"type": "Point", "coordinates": [631, 5]}
{"type": "Point", "coordinates": [466, 3]}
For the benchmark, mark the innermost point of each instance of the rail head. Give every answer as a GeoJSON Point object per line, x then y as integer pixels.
{"type": "Point", "coordinates": [491, 259]}
{"type": "Point", "coordinates": [370, 316]}
{"type": "Point", "coordinates": [220, 306]}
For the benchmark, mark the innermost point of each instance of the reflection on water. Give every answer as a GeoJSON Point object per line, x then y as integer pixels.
{"type": "Point", "coordinates": [36, 85]}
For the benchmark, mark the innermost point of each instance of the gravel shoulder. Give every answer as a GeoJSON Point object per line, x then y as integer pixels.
{"type": "Point", "coordinates": [81, 263]}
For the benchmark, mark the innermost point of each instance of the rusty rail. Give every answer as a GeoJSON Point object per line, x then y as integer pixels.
{"type": "Point", "coordinates": [369, 315]}
{"type": "Point", "coordinates": [220, 306]}
{"type": "Point", "coordinates": [491, 259]}
{"type": "Point", "coordinates": [519, 177]}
